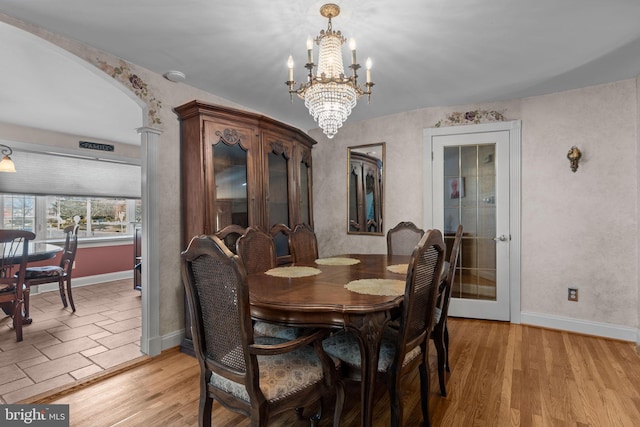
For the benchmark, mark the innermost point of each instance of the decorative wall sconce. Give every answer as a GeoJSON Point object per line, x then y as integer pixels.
{"type": "Point", "coordinates": [574, 156]}
{"type": "Point", "coordinates": [6, 165]}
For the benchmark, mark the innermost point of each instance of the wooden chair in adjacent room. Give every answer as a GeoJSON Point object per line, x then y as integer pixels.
{"type": "Point", "coordinates": [406, 348]}
{"type": "Point", "coordinates": [403, 238]}
{"type": "Point", "coordinates": [303, 244]}
{"type": "Point", "coordinates": [13, 263]}
{"type": "Point", "coordinates": [440, 333]}
{"type": "Point", "coordinates": [60, 273]}
{"type": "Point", "coordinates": [255, 376]}
{"type": "Point", "coordinates": [257, 251]}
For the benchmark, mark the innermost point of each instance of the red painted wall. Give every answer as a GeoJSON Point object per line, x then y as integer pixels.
{"type": "Point", "coordinates": [97, 260]}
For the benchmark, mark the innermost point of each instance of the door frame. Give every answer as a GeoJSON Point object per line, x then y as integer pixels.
{"type": "Point", "coordinates": [514, 128]}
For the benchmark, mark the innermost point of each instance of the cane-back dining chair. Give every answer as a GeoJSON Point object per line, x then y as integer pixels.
{"type": "Point", "coordinates": [15, 252]}
{"type": "Point", "coordinates": [60, 273]}
{"type": "Point", "coordinates": [280, 234]}
{"type": "Point", "coordinates": [255, 376]}
{"type": "Point", "coordinates": [405, 348]}
{"type": "Point", "coordinates": [257, 251]}
{"type": "Point", "coordinates": [440, 333]}
{"type": "Point", "coordinates": [403, 238]}
{"type": "Point", "coordinates": [230, 235]}
{"type": "Point", "coordinates": [303, 244]}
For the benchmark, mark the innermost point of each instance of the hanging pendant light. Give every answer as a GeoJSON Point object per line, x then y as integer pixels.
{"type": "Point", "coordinates": [330, 95]}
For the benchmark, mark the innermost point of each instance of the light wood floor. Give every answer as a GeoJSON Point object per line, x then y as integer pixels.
{"type": "Point", "coordinates": [501, 375]}
{"type": "Point", "coordinates": [61, 347]}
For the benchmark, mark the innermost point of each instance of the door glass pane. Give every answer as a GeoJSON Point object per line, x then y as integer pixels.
{"type": "Point", "coordinates": [304, 193]}
{"type": "Point", "coordinates": [469, 180]}
{"type": "Point", "coordinates": [230, 169]}
{"type": "Point", "coordinates": [279, 199]}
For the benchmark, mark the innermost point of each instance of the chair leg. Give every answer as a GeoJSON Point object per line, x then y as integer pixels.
{"type": "Point", "coordinates": [25, 295]}
{"type": "Point", "coordinates": [69, 294]}
{"type": "Point", "coordinates": [337, 414]}
{"type": "Point", "coordinates": [424, 390]}
{"type": "Point", "coordinates": [395, 401]}
{"type": "Point", "coordinates": [442, 356]}
{"type": "Point", "coordinates": [446, 344]}
{"type": "Point", "coordinates": [204, 412]}
{"type": "Point", "coordinates": [63, 297]}
{"type": "Point", "coordinates": [17, 319]}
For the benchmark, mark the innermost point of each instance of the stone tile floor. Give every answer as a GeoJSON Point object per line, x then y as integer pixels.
{"type": "Point", "coordinates": [61, 347]}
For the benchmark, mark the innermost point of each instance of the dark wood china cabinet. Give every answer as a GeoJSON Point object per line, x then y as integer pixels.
{"type": "Point", "coordinates": [241, 168]}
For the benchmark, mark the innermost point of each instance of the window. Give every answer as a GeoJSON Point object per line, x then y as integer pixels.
{"type": "Point", "coordinates": [47, 216]}
{"type": "Point", "coordinates": [18, 212]}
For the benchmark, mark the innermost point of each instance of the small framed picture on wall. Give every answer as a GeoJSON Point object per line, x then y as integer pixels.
{"type": "Point", "coordinates": [456, 188]}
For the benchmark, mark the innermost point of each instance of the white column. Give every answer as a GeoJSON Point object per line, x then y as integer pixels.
{"type": "Point", "coordinates": [150, 342]}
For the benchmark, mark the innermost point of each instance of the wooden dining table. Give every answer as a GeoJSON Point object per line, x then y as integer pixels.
{"type": "Point", "coordinates": [322, 300]}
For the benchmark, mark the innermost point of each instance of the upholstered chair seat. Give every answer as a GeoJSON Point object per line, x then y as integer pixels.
{"type": "Point", "coordinates": [46, 271]}
{"type": "Point", "coordinates": [281, 375]}
{"type": "Point", "coordinates": [344, 345]}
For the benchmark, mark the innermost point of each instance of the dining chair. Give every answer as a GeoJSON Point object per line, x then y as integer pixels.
{"type": "Point", "coordinates": [303, 244]}
{"type": "Point", "coordinates": [440, 333]}
{"type": "Point", "coordinates": [230, 235]}
{"type": "Point", "coordinates": [257, 251]}
{"type": "Point", "coordinates": [60, 273]}
{"type": "Point", "coordinates": [280, 234]}
{"type": "Point", "coordinates": [405, 348]}
{"type": "Point", "coordinates": [403, 238]}
{"type": "Point", "coordinates": [255, 376]}
{"type": "Point", "coordinates": [15, 251]}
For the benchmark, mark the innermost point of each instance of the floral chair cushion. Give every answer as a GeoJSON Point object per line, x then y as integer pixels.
{"type": "Point", "coordinates": [344, 346]}
{"type": "Point", "coordinates": [280, 375]}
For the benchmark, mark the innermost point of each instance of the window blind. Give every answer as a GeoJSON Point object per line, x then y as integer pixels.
{"type": "Point", "coordinates": [72, 175]}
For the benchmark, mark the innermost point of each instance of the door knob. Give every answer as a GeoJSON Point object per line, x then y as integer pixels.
{"type": "Point", "coordinates": [502, 238]}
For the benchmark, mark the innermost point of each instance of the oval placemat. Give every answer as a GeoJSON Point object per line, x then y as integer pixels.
{"type": "Point", "coordinates": [337, 261]}
{"type": "Point", "coordinates": [398, 268]}
{"type": "Point", "coordinates": [293, 271]}
{"type": "Point", "coordinates": [387, 287]}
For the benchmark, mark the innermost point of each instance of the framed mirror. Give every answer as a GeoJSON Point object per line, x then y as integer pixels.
{"type": "Point", "coordinates": [365, 189]}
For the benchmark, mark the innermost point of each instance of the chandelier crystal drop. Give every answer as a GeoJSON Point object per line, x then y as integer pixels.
{"type": "Point", "coordinates": [329, 94]}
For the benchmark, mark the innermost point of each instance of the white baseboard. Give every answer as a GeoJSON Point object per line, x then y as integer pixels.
{"type": "Point", "coordinates": [607, 330]}
{"type": "Point", "coordinates": [173, 339]}
{"type": "Point", "coordinates": [84, 281]}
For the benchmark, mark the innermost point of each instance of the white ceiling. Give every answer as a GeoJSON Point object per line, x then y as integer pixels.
{"type": "Point", "coordinates": [425, 52]}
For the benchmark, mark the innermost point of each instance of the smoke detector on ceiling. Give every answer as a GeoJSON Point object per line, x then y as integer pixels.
{"type": "Point", "coordinates": [175, 76]}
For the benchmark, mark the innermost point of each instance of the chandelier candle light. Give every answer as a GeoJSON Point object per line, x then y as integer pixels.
{"type": "Point", "coordinates": [329, 94]}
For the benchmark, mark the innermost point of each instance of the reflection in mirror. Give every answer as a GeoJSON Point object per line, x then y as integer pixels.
{"type": "Point", "coordinates": [365, 189]}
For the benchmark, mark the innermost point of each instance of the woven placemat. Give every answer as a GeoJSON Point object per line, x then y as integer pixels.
{"type": "Point", "coordinates": [293, 271]}
{"type": "Point", "coordinates": [337, 261]}
{"type": "Point", "coordinates": [398, 268]}
{"type": "Point", "coordinates": [388, 287]}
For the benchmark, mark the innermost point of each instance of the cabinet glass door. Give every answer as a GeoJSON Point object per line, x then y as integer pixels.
{"type": "Point", "coordinates": [278, 162]}
{"type": "Point", "coordinates": [230, 166]}
{"type": "Point", "coordinates": [305, 196]}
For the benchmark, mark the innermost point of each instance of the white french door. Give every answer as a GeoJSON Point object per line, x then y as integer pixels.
{"type": "Point", "coordinates": [470, 186]}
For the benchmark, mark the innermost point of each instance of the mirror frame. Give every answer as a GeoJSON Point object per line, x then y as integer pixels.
{"type": "Point", "coordinates": [364, 151]}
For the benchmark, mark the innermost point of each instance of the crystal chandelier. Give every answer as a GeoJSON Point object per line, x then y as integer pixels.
{"type": "Point", "coordinates": [330, 95]}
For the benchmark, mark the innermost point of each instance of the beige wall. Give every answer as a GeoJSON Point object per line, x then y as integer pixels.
{"type": "Point", "coordinates": [578, 229]}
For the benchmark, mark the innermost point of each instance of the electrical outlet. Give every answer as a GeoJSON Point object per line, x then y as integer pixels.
{"type": "Point", "coordinates": [573, 294]}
